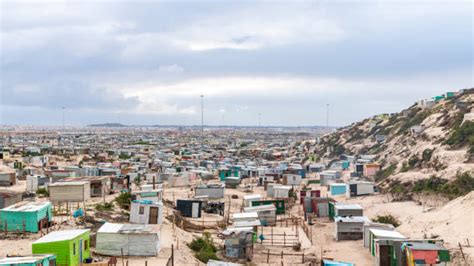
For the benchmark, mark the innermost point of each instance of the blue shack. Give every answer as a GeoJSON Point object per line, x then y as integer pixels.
{"type": "Point", "coordinates": [337, 189]}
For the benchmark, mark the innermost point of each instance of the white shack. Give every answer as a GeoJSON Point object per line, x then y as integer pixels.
{"type": "Point", "coordinates": [132, 239]}
{"type": "Point", "coordinates": [213, 191]}
{"type": "Point", "coordinates": [249, 198]}
{"type": "Point", "coordinates": [266, 213]}
{"type": "Point", "coordinates": [146, 212]}
{"type": "Point", "coordinates": [77, 191]}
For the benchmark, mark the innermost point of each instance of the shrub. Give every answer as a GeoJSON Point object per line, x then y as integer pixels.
{"type": "Point", "coordinates": [462, 135]}
{"type": "Point", "coordinates": [204, 248]}
{"type": "Point", "coordinates": [426, 155]}
{"type": "Point", "coordinates": [42, 192]}
{"type": "Point", "coordinates": [387, 219]}
{"type": "Point", "coordinates": [386, 172]}
{"type": "Point", "coordinates": [460, 186]}
{"type": "Point", "coordinates": [106, 206]}
{"type": "Point", "coordinates": [124, 199]}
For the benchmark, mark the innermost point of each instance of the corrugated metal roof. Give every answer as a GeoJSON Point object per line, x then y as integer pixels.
{"type": "Point", "coordinates": [27, 206]}
{"type": "Point", "coordinates": [386, 233]}
{"type": "Point", "coordinates": [61, 235]}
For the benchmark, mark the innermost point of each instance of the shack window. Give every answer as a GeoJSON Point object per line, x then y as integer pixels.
{"type": "Point", "coordinates": [74, 249]}
{"type": "Point", "coordinates": [142, 210]}
{"type": "Point", "coordinates": [52, 262]}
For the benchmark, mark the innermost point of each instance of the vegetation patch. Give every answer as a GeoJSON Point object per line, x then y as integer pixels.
{"type": "Point", "coordinates": [124, 200]}
{"type": "Point", "coordinates": [387, 219]}
{"type": "Point", "coordinates": [462, 135]}
{"type": "Point", "coordinates": [204, 248]}
{"type": "Point", "coordinates": [386, 172]}
{"type": "Point", "coordinates": [106, 206]}
{"type": "Point", "coordinates": [42, 192]}
{"type": "Point", "coordinates": [460, 186]}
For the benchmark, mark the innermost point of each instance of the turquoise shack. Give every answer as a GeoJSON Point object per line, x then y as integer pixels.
{"type": "Point", "coordinates": [337, 189]}
{"type": "Point", "coordinates": [225, 172]}
{"type": "Point", "coordinates": [26, 216]}
{"type": "Point", "coordinates": [32, 260]}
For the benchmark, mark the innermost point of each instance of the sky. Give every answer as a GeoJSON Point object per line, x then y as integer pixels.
{"type": "Point", "coordinates": [147, 62]}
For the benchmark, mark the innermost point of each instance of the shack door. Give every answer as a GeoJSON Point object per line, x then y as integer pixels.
{"type": "Point", "coordinates": [153, 218]}
{"type": "Point", "coordinates": [353, 190]}
{"type": "Point", "coordinates": [384, 255]}
{"type": "Point", "coordinates": [195, 212]}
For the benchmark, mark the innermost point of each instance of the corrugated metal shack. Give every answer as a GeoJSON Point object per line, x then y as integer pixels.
{"type": "Point", "coordinates": [189, 208]}
{"type": "Point", "coordinates": [131, 239]}
{"type": "Point", "coordinates": [238, 243]}
{"type": "Point", "coordinates": [27, 216]}
{"type": "Point", "coordinates": [213, 191]}
{"type": "Point", "coordinates": [146, 212]}
{"type": "Point", "coordinates": [69, 191]}
{"type": "Point", "coordinates": [350, 228]}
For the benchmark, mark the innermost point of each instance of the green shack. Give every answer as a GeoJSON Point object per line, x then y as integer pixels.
{"type": "Point", "coordinates": [33, 260]}
{"type": "Point", "coordinates": [224, 173]}
{"type": "Point", "coordinates": [26, 216]}
{"type": "Point", "coordinates": [279, 204]}
{"type": "Point", "coordinates": [71, 247]}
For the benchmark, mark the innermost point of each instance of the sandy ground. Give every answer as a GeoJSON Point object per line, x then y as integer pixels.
{"type": "Point", "coordinates": [452, 222]}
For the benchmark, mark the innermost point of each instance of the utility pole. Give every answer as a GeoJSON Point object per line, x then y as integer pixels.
{"type": "Point", "coordinates": [259, 120]}
{"type": "Point", "coordinates": [202, 121]}
{"type": "Point", "coordinates": [327, 115]}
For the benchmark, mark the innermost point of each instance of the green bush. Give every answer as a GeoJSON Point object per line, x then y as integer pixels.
{"type": "Point", "coordinates": [460, 186]}
{"type": "Point", "coordinates": [386, 172]}
{"type": "Point", "coordinates": [106, 206]}
{"type": "Point", "coordinates": [124, 199]}
{"type": "Point", "coordinates": [204, 248]}
{"type": "Point", "coordinates": [426, 155]}
{"type": "Point", "coordinates": [387, 219]}
{"type": "Point", "coordinates": [462, 135]}
{"type": "Point", "coordinates": [42, 192]}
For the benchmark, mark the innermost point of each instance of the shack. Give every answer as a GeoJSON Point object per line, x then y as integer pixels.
{"type": "Point", "coordinates": [421, 252]}
{"type": "Point", "coordinates": [291, 179]}
{"type": "Point", "coordinates": [146, 212]}
{"type": "Point", "coordinates": [278, 203]}
{"type": "Point", "coordinates": [131, 239]}
{"type": "Point", "coordinates": [238, 243]}
{"type": "Point", "coordinates": [232, 182]}
{"type": "Point", "coordinates": [33, 182]}
{"type": "Point", "coordinates": [281, 192]}
{"type": "Point", "coordinates": [7, 176]}
{"type": "Point", "coordinates": [155, 195]}
{"type": "Point", "coordinates": [189, 208]}
{"type": "Point", "coordinates": [249, 198]}
{"type": "Point", "coordinates": [373, 225]}
{"type": "Point", "coordinates": [69, 191]}
{"type": "Point", "coordinates": [371, 169]}
{"type": "Point", "coordinates": [31, 260]}
{"type": "Point", "coordinates": [99, 185]}
{"type": "Point", "coordinates": [379, 251]}
{"type": "Point", "coordinates": [26, 216]}
{"type": "Point", "coordinates": [360, 188]}
{"type": "Point", "coordinates": [348, 210]}
{"type": "Point", "coordinates": [213, 191]}
{"type": "Point", "coordinates": [337, 189]}
{"type": "Point", "coordinates": [9, 197]}
{"type": "Point", "coordinates": [350, 228]}
{"type": "Point", "coordinates": [246, 219]}
{"type": "Point", "coordinates": [266, 214]}
{"type": "Point", "coordinates": [71, 247]}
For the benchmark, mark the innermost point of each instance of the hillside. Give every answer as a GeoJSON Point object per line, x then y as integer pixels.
{"type": "Point", "coordinates": [428, 147]}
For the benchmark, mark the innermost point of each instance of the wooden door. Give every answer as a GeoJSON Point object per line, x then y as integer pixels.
{"type": "Point", "coordinates": [153, 218]}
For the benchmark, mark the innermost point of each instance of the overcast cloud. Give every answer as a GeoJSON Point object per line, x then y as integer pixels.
{"type": "Point", "coordinates": [147, 62]}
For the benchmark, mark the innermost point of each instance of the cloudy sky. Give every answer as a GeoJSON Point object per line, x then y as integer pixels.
{"type": "Point", "coordinates": [147, 62]}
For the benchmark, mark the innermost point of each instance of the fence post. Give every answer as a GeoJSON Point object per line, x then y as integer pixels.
{"type": "Point", "coordinates": [302, 257]}
{"type": "Point", "coordinates": [268, 255]}
{"type": "Point", "coordinates": [282, 255]}
{"type": "Point", "coordinates": [272, 235]}
{"type": "Point", "coordinates": [284, 239]}
{"type": "Point", "coordinates": [172, 255]}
